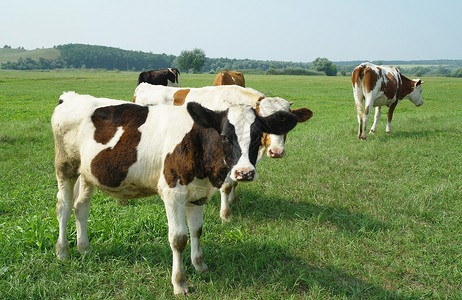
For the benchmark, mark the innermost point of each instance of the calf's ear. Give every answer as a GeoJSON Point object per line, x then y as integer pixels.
{"type": "Point", "coordinates": [278, 123]}
{"type": "Point", "coordinates": [205, 117]}
{"type": "Point", "coordinates": [303, 114]}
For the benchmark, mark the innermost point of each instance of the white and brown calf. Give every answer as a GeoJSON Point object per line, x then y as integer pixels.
{"type": "Point", "coordinates": [132, 151]}
{"type": "Point", "coordinates": [375, 86]}
{"type": "Point", "coordinates": [220, 98]}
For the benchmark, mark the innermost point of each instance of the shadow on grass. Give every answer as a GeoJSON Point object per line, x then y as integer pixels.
{"type": "Point", "coordinates": [268, 264]}
{"type": "Point", "coordinates": [261, 207]}
{"type": "Point", "coordinates": [248, 266]}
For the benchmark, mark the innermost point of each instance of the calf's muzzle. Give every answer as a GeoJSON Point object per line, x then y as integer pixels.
{"type": "Point", "coordinates": [245, 174]}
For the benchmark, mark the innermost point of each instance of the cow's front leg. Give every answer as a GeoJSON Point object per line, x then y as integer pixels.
{"type": "Point", "coordinates": [376, 119]}
{"type": "Point", "coordinates": [228, 195]}
{"type": "Point", "coordinates": [82, 194]}
{"type": "Point", "coordinates": [178, 238]}
{"type": "Point", "coordinates": [391, 109]}
{"type": "Point", "coordinates": [195, 215]}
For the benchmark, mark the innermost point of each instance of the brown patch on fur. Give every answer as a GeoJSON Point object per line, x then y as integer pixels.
{"type": "Point", "coordinates": [111, 165]}
{"type": "Point", "coordinates": [179, 242]}
{"type": "Point", "coordinates": [226, 78]}
{"type": "Point", "coordinates": [227, 188]}
{"type": "Point", "coordinates": [198, 155]}
{"type": "Point", "coordinates": [257, 109]}
{"type": "Point", "coordinates": [303, 114]}
{"type": "Point", "coordinates": [179, 98]}
{"type": "Point", "coordinates": [266, 140]}
{"type": "Point", "coordinates": [390, 86]}
{"type": "Point", "coordinates": [367, 110]}
{"type": "Point", "coordinates": [406, 87]}
{"type": "Point", "coordinates": [391, 109]}
{"type": "Point", "coordinates": [134, 99]}
{"type": "Point", "coordinates": [66, 169]}
{"type": "Point", "coordinates": [198, 233]}
{"type": "Point", "coordinates": [370, 79]}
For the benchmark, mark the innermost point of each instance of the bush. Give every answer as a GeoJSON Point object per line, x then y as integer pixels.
{"type": "Point", "coordinates": [456, 72]}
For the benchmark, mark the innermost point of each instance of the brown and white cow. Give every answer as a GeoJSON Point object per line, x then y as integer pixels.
{"type": "Point", "coordinates": [221, 98]}
{"type": "Point", "coordinates": [375, 86]}
{"type": "Point", "coordinates": [229, 78]}
{"type": "Point", "coordinates": [166, 77]}
{"type": "Point", "coordinates": [132, 151]}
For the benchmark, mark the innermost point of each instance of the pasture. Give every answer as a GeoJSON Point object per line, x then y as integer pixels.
{"type": "Point", "coordinates": [337, 218]}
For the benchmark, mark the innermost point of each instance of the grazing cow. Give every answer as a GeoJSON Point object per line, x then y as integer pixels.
{"type": "Point", "coordinates": [166, 77]}
{"type": "Point", "coordinates": [229, 78]}
{"type": "Point", "coordinates": [131, 151]}
{"type": "Point", "coordinates": [220, 98]}
{"type": "Point", "coordinates": [375, 86]}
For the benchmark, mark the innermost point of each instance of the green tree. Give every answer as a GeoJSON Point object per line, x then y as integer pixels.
{"type": "Point", "coordinates": [456, 72]}
{"type": "Point", "coordinates": [325, 65]}
{"type": "Point", "coordinates": [194, 60]}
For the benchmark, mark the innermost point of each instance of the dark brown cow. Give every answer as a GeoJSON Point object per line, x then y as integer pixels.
{"type": "Point", "coordinates": [166, 77]}
{"type": "Point", "coordinates": [229, 78]}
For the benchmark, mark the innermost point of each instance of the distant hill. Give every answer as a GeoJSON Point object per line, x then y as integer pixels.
{"type": "Point", "coordinates": [81, 56]}
{"type": "Point", "coordinates": [430, 62]}
{"type": "Point", "coordinates": [13, 55]}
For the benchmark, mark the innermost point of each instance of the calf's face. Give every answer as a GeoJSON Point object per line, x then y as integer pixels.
{"type": "Point", "coordinates": [275, 144]}
{"type": "Point", "coordinates": [241, 130]}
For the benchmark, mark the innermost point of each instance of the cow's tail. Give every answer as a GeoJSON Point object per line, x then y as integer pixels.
{"type": "Point", "coordinates": [357, 78]}
{"type": "Point", "coordinates": [178, 77]}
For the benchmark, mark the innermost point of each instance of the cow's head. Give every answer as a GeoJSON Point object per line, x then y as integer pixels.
{"type": "Point", "coordinates": [416, 95]}
{"type": "Point", "coordinates": [241, 130]}
{"type": "Point", "coordinates": [272, 144]}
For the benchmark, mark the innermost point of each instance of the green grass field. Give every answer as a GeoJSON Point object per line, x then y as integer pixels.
{"type": "Point", "coordinates": [13, 55]}
{"type": "Point", "coordinates": [337, 218]}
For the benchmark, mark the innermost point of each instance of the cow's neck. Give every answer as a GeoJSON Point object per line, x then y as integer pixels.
{"type": "Point", "coordinates": [405, 87]}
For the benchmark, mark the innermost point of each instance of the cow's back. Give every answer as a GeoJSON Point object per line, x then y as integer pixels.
{"type": "Point", "coordinates": [229, 78]}
{"type": "Point", "coordinates": [212, 97]}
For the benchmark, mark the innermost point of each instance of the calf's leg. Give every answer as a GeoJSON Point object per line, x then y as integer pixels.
{"type": "Point", "coordinates": [81, 208]}
{"type": "Point", "coordinates": [63, 211]}
{"type": "Point", "coordinates": [178, 237]}
{"type": "Point", "coordinates": [195, 215]}
{"type": "Point", "coordinates": [228, 195]}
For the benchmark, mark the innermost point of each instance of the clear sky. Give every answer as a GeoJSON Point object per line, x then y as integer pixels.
{"type": "Point", "coordinates": [286, 30]}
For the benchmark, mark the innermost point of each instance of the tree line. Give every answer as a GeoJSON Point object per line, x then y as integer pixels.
{"type": "Point", "coordinates": [81, 56]}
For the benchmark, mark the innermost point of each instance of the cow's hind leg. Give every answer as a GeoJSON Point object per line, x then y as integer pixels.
{"type": "Point", "coordinates": [365, 117]}
{"type": "Point", "coordinates": [195, 214]}
{"type": "Point", "coordinates": [82, 195]}
{"type": "Point", "coordinates": [359, 104]}
{"type": "Point", "coordinates": [63, 211]}
{"type": "Point", "coordinates": [376, 119]}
